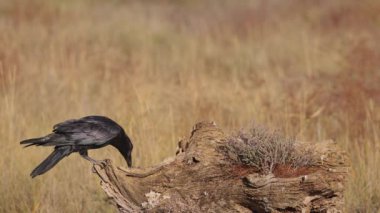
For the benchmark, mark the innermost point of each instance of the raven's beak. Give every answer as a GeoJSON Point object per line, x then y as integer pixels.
{"type": "Point", "coordinates": [129, 160]}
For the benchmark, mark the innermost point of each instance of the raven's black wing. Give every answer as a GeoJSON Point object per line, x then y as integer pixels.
{"type": "Point", "coordinates": [87, 131]}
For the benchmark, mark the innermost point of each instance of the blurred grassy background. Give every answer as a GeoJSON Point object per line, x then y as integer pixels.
{"type": "Point", "coordinates": [310, 68]}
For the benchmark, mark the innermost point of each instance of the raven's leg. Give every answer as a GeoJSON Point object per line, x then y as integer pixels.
{"type": "Point", "coordinates": [84, 154]}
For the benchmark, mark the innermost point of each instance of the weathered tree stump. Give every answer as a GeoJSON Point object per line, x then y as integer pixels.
{"type": "Point", "coordinates": [202, 178]}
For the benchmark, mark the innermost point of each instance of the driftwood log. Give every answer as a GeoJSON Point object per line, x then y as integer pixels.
{"type": "Point", "coordinates": [201, 178]}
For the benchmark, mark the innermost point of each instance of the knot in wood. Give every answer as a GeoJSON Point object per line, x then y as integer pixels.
{"type": "Point", "coordinates": [258, 181]}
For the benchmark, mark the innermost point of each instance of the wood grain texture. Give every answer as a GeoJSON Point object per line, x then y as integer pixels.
{"type": "Point", "coordinates": [202, 178]}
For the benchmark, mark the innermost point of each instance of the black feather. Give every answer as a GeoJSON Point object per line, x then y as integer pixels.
{"type": "Point", "coordinates": [51, 160]}
{"type": "Point", "coordinates": [33, 141]}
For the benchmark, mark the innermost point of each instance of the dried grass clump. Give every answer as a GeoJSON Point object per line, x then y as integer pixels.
{"type": "Point", "coordinates": [265, 149]}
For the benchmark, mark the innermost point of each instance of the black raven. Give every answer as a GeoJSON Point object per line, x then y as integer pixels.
{"type": "Point", "coordinates": [79, 135]}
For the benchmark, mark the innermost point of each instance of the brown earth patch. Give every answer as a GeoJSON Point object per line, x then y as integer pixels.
{"type": "Point", "coordinates": [286, 171]}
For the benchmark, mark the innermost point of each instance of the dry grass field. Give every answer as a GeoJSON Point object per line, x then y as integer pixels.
{"type": "Point", "coordinates": [309, 68]}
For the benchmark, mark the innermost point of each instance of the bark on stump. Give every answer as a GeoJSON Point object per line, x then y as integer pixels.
{"type": "Point", "coordinates": [201, 178]}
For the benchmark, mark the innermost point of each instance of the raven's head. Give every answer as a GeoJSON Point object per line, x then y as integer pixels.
{"type": "Point", "coordinates": [125, 146]}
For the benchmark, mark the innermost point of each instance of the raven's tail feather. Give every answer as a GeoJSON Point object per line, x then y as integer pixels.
{"type": "Point", "coordinates": [48, 140]}
{"type": "Point", "coordinates": [51, 160]}
{"type": "Point", "coordinates": [34, 141]}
